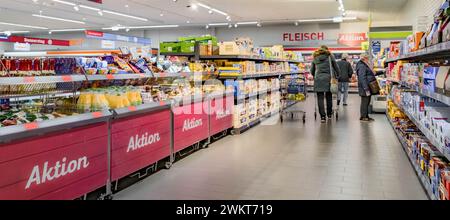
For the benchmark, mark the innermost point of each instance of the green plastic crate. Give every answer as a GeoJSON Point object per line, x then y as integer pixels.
{"type": "Point", "coordinates": [170, 47]}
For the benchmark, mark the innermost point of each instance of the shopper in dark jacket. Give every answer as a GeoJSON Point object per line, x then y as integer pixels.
{"type": "Point", "coordinates": [321, 70]}
{"type": "Point", "coordinates": [344, 79]}
{"type": "Point", "coordinates": [365, 77]}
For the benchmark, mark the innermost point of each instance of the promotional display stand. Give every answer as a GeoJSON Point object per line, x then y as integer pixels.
{"type": "Point", "coordinates": [60, 159]}
{"type": "Point", "coordinates": [140, 136]}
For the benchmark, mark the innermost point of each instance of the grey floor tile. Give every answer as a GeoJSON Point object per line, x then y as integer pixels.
{"type": "Point", "coordinates": [343, 160]}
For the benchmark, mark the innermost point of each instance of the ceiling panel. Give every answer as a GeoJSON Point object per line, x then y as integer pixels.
{"type": "Point", "coordinates": [20, 11]}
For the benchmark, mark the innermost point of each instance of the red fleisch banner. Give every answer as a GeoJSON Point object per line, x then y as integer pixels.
{"type": "Point", "coordinates": [30, 40]}
{"type": "Point", "coordinates": [352, 39]}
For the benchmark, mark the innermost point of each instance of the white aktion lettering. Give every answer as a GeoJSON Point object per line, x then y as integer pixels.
{"type": "Point", "coordinates": [145, 140]}
{"type": "Point", "coordinates": [39, 176]}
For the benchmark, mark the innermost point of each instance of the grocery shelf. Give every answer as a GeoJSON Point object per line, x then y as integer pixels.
{"type": "Point", "coordinates": [426, 132]}
{"type": "Point", "coordinates": [239, 57]}
{"type": "Point", "coordinates": [259, 75]}
{"type": "Point", "coordinates": [182, 74]}
{"type": "Point", "coordinates": [435, 52]}
{"type": "Point", "coordinates": [34, 129]}
{"type": "Point", "coordinates": [426, 185]}
{"type": "Point", "coordinates": [117, 77]}
{"type": "Point", "coordinates": [178, 54]}
{"type": "Point", "coordinates": [237, 131]}
{"type": "Point", "coordinates": [439, 97]}
{"type": "Point", "coordinates": [436, 96]}
{"type": "Point", "coordinates": [41, 79]}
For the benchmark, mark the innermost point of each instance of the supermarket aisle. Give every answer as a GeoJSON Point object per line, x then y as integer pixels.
{"type": "Point", "coordinates": [339, 160]}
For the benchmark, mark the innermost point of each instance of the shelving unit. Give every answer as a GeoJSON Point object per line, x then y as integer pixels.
{"type": "Point", "coordinates": [435, 52]}
{"type": "Point", "coordinates": [425, 184]}
{"type": "Point", "coordinates": [426, 133]}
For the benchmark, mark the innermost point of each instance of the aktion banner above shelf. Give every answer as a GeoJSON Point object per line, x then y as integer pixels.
{"type": "Point", "coordinates": [31, 40]}
{"type": "Point", "coordinates": [113, 37]}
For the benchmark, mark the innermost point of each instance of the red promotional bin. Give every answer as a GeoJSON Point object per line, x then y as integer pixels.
{"type": "Point", "coordinates": [61, 159]}
{"type": "Point", "coordinates": [191, 123]}
{"type": "Point", "coordinates": [221, 112]}
{"type": "Point", "coordinates": [140, 136]}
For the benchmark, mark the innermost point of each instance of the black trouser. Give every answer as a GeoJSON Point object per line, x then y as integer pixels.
{"type": "Point", "coordinates": [365, 104]}
{"type": "Point", "coordinates": [320, 100]}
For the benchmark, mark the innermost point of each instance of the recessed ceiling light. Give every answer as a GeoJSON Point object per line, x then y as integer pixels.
{"type": "Point", "coordinates": [21, 25]}
{"type": "Point", "coordinates": [89, 7]}
{"type": "Point", "coordinates": [188, 22]}
{"type": "Point", "coordinates": [76, 8]}
{"type": "Point", "coordinates": [142, 27]}
{"type": "Point", "coordinates": [218, 24]}
{"type": "Point", "coordinates": [59, 19]}
{"type": "Point", "coordinates": [64, 2]}
{"type": "Point", "coordinates": [125, 15]}
{"type": "Point", "coordinates": [68, 30]}
{"type": "Point", "coordinates": [14, 32]}
{"type": "Point", "coordinates": [245, 23]}
{"type": "Point", "coordinates": [126, 6]}
{"type": "Point", "coordinates": [194, 6]}
{"type": "Point", "coordinates": [100, 13]}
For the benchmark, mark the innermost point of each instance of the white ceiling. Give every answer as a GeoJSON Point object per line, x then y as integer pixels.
{"type": "Point", "coordinates": [20, 12]}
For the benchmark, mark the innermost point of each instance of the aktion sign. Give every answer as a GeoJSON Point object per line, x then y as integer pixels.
{"type": "Point", "coordinates": [352, 39]}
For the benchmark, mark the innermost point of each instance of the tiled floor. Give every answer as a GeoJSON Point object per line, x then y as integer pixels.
{"type": "Point", "coordinates": [344, 160]}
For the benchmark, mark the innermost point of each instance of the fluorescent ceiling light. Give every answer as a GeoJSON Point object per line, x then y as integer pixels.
{"type": "Point", "coordinates": [218, 24]}
{"type": "Point", "coordinates": [15, 32]}
{"type": "Point", "coordinates": [244, 23]}
{"type": "Point", "coordinates": [204, 6]}
{"type": "Point", "coordinates": [337, 19]}
{"type": "Point", "coordinates": [59, 19]}
{"type": "Point", "coordinates": [219, 11]}
{"type": "Point", "coordinates": [64, 2]}
{"type": "Point", "coordinates": [141, 27]}
{"type": "Point", "coordinates": [21, 25]}
{"type": "Point", "coordinates": [125, 15]}
{"type": "Point", "coordinates": [89, 7]}
{"type": "Point", "coordinates": [68, 30]}
{"type": "Point", "coordinates": [212, 9]}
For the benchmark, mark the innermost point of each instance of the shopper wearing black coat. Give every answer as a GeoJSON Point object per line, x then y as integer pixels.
{"type": "Point", "coordinates": [365, 77]}
{"type": "Point", "coordinates": [321, 70]}
{"type": "Point", "coordinates": [344, 79]}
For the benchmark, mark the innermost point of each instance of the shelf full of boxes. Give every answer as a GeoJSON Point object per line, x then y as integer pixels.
{"type": "Point", "coordinates": [113, 106]}
{"type": "Point", "coordinates": [419, 83]}
{"type": "Point", "coordinates": [254, 73]}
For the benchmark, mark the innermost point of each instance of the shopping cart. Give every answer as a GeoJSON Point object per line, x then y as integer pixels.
{"type": "Point", "coordinates": [296, 92]}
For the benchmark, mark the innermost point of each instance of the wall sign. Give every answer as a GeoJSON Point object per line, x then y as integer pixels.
{"type": "Point", "coordinates": [22, 47]}
{"type": "Point", "coordinates": [114, 37]}
{"type": "Point", "coordinates": [108, 44]}
{"type": "Point", "coordinates": [352, 39]}
{"type": "Point", "coordinates": [298, 37]}
{"type": "Point", "coordinates": [30, 40]}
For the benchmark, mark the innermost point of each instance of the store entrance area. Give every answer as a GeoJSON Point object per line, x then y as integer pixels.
{"type": "Point", "coordinates": [343, 159]}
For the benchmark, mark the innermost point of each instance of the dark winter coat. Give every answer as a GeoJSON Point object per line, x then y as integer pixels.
{"type": "Point", "coordinates": [346, 70]}
{"type": "Point", "coordinates": [321, 70]}
{"type": "Point", "coordinates": [365, 76]}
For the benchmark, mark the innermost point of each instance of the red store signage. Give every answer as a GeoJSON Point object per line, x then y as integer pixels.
{"type": "Point", "coordinates": [60, 166]}
{"type": "Point", "coordinates": [94, 34]}
{"type": "Point", "coordinates": [221, 114]}
{"type": "Point", "coordinates": [191, 125]}
{"type": "Point", "coordinates": [352, 39]}
{"type": "Point", "coordinates": [30, 40]}
{"type": "Point", "coordinates": [298, 37]}
{"type": "Point", "coordinates": [138, 142]}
